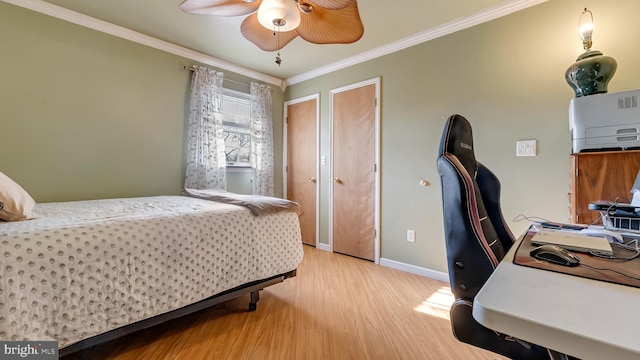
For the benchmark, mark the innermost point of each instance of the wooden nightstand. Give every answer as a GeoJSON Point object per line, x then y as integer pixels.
{"type": "Point", "coordinates": [607, 175]}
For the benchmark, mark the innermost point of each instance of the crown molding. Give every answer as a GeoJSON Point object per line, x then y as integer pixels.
{"type": "Point", "coordinates": [447, 28]}
{"type": "Point", "coordinates": [486, 15]}
{"type": "Point", "coordinates": [61, 13]}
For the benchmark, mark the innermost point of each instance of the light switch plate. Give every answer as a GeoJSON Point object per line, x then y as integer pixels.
{"type": "Point", "coordinates": [527, 148]}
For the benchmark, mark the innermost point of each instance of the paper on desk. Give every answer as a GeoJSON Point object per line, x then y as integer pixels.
{"type": "Point", "coordinates": [635, 190]}
{"type": "Point", "coordinates": [573, 241]}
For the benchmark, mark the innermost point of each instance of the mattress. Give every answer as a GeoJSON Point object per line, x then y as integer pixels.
{"type": "Point", "coordinates": [83, 268]}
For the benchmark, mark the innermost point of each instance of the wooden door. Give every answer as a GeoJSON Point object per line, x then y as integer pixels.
{"type": "Point", "coordinates": [354, 171]}
{"type": "Point", "coordinates": [301, 163]}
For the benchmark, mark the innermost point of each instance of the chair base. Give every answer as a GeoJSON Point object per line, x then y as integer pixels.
{"type": "Point", "coordinates": [466, 329]}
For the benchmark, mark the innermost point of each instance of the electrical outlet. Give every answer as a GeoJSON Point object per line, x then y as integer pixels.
{"type": "Point", "coordinates": [411, 236]}
{"type": "Point", "coordinates": [527, 148]}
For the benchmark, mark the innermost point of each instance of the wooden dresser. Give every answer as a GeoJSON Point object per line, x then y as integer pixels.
{"type": "Point", "coordinates": [607, 175]}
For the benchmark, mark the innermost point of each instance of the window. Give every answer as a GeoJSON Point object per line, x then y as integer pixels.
{"type": "Point", "coordinates": [236, 121]}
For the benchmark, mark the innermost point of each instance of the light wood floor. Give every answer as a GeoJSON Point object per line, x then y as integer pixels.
{"type": "Point", "coordinates": [337, 307]}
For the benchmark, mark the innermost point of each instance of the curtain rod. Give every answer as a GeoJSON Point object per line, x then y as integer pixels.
{"type": "Point", "coordinates": [191, 68]}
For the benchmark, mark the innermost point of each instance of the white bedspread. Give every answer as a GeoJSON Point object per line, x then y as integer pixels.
{"type": "Point", "coordinates": [82, 268]}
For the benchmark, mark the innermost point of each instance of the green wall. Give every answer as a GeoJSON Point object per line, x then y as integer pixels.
{"type": "Point", "coordinates": [507, 77]}
{"type": "Point", "coordinates": [87, 115]}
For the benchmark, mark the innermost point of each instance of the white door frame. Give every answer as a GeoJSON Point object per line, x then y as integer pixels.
{"type": "Point", "coordinates": [285, 128]}
{"type": "Point", "coordinates": [376, 82]}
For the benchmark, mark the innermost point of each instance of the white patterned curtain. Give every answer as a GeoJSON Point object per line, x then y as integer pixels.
{"type": "Point", "coordinates": [262, 140]}
{"type": "Point", "coordinates": [206, 162]}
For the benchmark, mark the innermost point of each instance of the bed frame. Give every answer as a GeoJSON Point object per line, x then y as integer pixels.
{"type": "Point", "coordinates": [252, 288]}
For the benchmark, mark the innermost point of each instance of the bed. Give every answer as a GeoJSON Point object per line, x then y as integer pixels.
{"type": "Point", "coordinates": [85, 272]}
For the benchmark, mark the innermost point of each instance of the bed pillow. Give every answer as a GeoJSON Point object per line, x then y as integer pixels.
{"type": "Point", "coordinates": [16, 202]}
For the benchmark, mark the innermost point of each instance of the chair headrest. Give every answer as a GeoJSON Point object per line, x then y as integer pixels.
{"type": "Point", "coordinates": [457, 139]}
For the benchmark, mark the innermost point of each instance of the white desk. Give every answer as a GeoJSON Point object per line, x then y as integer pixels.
{"type": "Point", "coordinates": [585, 318]}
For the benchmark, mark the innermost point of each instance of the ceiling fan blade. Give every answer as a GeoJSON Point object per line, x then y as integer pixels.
{"type": "Point", "coordinates": [263, 37]}
{"type": "Point", "coordinates": [325, 26]}
{"type": "Point", "coordinates": [333, 4]}
{"type": "Point", "coordinates": [219, 7]}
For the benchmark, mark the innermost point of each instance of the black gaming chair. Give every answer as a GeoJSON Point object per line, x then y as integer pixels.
{"type": "Point", "coordinates": [476, 237]}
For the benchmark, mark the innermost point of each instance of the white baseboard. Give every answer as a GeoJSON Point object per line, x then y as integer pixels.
{"type": "Point", "coordinates": [324, 247]}
{"type": "Point", "coordinates": [415, 269]}
{"type": "Point", "coordinates": [432, 274]}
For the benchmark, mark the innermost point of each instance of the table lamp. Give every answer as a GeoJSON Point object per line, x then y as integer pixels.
{"type": "Point", "coordinates": [592, 71]}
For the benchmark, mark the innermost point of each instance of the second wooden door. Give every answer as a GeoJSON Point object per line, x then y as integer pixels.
{"type": "Point", "coordinates": [354, 171]}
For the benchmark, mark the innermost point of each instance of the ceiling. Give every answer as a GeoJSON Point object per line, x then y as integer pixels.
{"type": "Point", "coordinates": [387, 24]}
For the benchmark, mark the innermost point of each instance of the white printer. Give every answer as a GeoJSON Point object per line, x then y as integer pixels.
{"type": "Point", "coordinates": [605, 121]}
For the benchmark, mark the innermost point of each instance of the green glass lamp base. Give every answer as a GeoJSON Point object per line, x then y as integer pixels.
{"type": "Point", "coordinates": [591, 73]}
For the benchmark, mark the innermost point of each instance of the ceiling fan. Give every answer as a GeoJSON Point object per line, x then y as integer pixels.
{"type": "Point", "coordinates": [274, 23]}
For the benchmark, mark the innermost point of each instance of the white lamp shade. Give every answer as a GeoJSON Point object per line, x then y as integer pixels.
{"type": "Point", "coordinates": [286, 10]}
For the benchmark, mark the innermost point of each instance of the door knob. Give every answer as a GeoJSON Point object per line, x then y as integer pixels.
{"type": "Point", "coordinates": [337, 181]}
{"type": "Point", "coordinates": [311, 180]}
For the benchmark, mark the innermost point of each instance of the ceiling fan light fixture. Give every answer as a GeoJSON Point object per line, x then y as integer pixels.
{"type": "Point", "coordinates": [315, 21]}
{"type": "Point", "coordinates": [281, 15]}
